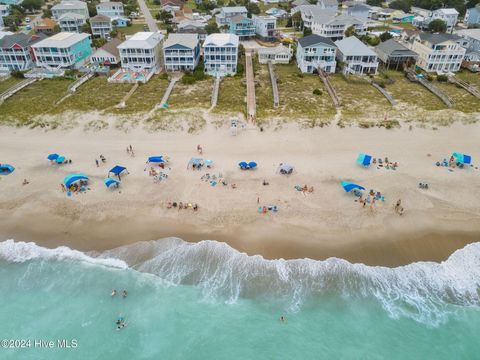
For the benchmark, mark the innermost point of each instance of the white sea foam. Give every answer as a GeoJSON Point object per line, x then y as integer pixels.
{"type": "Point", "coordinates": [19, 252]}
{"type": "Point", "coordinates": [424, 291]}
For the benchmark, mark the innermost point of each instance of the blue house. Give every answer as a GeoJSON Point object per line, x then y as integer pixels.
{"type": "Point", "coordinates": [11, 2]}
{"type": "Point", "coordinates": [241, 26]}
{"type": "Point", "coordinates": [120, 22]}
{"type": "Point", "coordinates": [472, 16]}
{"type": "Point", "coordinates": [181, 52]}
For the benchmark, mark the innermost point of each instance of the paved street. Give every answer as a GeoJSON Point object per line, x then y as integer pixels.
{"type": "Point", "coordinates": [152, 25]}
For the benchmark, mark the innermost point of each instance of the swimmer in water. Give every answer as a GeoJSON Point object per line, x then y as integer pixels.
{"type": "Point", "coordinates": [124, 294]}
{"type": "Point", "coordinates": [114, 292]}
{"type": "Point", "coordinates": [282, 318]}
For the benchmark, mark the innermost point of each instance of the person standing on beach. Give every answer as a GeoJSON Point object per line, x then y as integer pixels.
{"type": "Point", "coordinates": [131, 149]}
{"type": "Point", "coordinates": [96, 162]}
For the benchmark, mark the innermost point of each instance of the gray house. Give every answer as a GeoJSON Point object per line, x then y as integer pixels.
{"type": "Point", "coordinates": [358, 58]}
{"type": "Point", "coordinates": [394, 55]}
{"type": "Point", "coordinates": [181, 52]}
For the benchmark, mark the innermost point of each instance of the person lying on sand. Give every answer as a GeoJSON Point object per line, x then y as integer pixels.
{"type": "Point", "coordinates": [25, 182]}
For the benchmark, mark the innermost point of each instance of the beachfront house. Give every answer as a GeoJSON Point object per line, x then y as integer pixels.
{"type": "Point", "coordinates": [357, 57]}
{"type": "Point", "coordinates": [437, 52]}
{"type": "Point", "coordinates": [228, 12]}
{"type": "Point", "coordinates": [220, 54]}
{"type": "Point", "coordinates": [334, 27]}
{"type": "Point", "coordinates": [241, 26]}
{"type": "Point", "coordinates": [472, 16]}
{"type": "Point", "coordinates": [314, 52]}
{"type": "Point", "coordinates": [276, 55]}
{"type": "Point", "coordinates": [181, 52]}
{"type": "Point", "coordinates": [71, 22]}
{"type": "Point", "coordinates": [45, 26]}
{"type": "Point", "coordinates": [63, 51]}
{"type": "Point", "coordinates": [108, 54]}
{"type": "Point", "coordinates": [265, 26]}
{"type": "Point", "coordinates": [110, 9]}
{"type": "Point", "coordinates": [101, 26]}
{"type": "Point", "coordinates": [394, 55]}
{"type": "Point", "coordinates": [16, 53]}
{"type": "Point", "coordinates": [70, 7]}
{"type": "Point", "coordinates": [142, 51]}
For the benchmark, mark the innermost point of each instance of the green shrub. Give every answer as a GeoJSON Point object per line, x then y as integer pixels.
{"type": "Point", "coordinates": [317, 91]}
{"type": "Point", "coordinates": [17, 74]}
{"type": "Point", "coordinates": [442, 78]}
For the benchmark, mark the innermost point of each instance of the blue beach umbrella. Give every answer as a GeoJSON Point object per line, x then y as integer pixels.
{"type": "Point", "coordinates": [109, 181]}
{"type": "Point", "coordinates": [243, 164]}
{"type": "Point", "coordinates": [6, 169]}
{"type": "Point", "coordinates": [348, 186]}
{"type": "Point", "coordinates": [208, 162]}
{"type": "Point", "coordinates": [70, 179]}
{"type": "Point", "coordinates": [462, 158]}
{"type": "Point", "coordinates": [364, 159]}
{"type": "Point", "coordinates": [156, 159]}
{"type": "Point", "coordinates": [252, 164]}
{"type": "Point", "coordinates": [60, 159]}
{"type": "Point", "coordinates": [52, 156]}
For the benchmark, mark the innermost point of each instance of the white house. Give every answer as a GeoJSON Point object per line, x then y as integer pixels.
{"type": "Point", "coordinates": [437, 52]}
{"type": "Point", "coordinates": [63, 51]}
{"type": "Point", "coordinates": [220, 54]}
{"type": "Point", "coordinates": [276, 55]}
{"type": "Point", "coordinates": [181, 52]}
{"type": "Point", "coordinates": [449, 15]}
{"type": "Point", "coordinates": [226, 13]}
{"type": "Point", "coordinates": [110, 9]}
{"type": "Point", "coordinates": [313, 52]}
{"type": "Point", "coordinates": [265, 26]}
{"type": "Point", "coordinates": [142, 51]}
{"type": "Point", "coordinates": [359, 11]}
{"type": "Point", "coordinates": [70, 6]}
{"type": "Point", "coordinates": [472, 36]}
{"type": "Point", "coordinates": [71, 22]}
{"type": "Point", "coordinates": [108, 54]}
{"type": "Point", "coordinates": [4, 10]}
{"type": "Point", "coordinates": [101, 26]}
{"type": "Point", "coordinates": [311, 13]}
{"type": "Point", "coordinates": [357, 57]}
{"type": "Point", "coordinates": [334, 27]}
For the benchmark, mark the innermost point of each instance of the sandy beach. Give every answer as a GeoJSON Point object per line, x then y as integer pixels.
{"type": "Point", "coordinates": [325, 223]}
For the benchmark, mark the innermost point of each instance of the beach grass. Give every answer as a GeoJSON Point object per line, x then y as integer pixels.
{"type": "Point", "coordinates": [130, 30]}
{"type": "Point", "coordinates": [197, 95]}
{"type": "Point", "coordinates": [36, 99]}
{"type": "Point", "coordinates": [163, 120]}
{"type": "Point", "coordinates": [462, 100]}
{"type": "Point", "coordinates": [146, 96]}
{"type": "Point", "coordinates": [263, 93]}
{"type": "Point", "coordinates": [8, 83]}
{"type": "Point", "coordinates": [231, 96]}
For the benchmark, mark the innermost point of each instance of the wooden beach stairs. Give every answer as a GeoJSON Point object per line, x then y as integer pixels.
{"type": "Point", "coordinates": [273, 79]}
{"type": "Point", "coordinates": [216, 89]}
{"type": "Point", "coordinates": [251, 100]}
{"type": "Point", "coordinates": [412, 76]}
{"type": "Point", "coordinates": [330, 89]}
{"type": "Point", "coordinates": [385, 93]}
{"type": "Point", "coordinates": [79, 82]}
{"type": "Point", "coordinates": [465, 85]}
{"type": "Point", "coordinates": [171, 85]}
{"type": "Point", "coordinates": [16, 88]}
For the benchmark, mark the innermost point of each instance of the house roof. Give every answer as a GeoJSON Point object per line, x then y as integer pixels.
{"type": "Point", "coordinates": [392, 47]}
{"type": "Point", "coordinates": [142, 40]}
{"type": "Point", "coordinates": [315, 39]}
{"type": "Point", "coordinates": [112, 47]}
{"type": "Point", "coordinates": [437, 38]}
{"type": "Point", "coordinates": [280, 49]}
{"type": "Point", "coordinates": [178, 3]}
{"type": "Point", "coordinates": [300, 2]}
{"type": "Point", "coordinates": [44, 23]}
{"type": "Point", "coordinates": [71, 16]}
{"type": "Point", "coordinates": [316, 11]}
{"type": "Point", "coordinates": [234, 9]}
{"type": "Point", "coordinates": [471, 33]}
{"type": "Point", "coordinates": [448, 11]}
{"type": "Point", "coordinates": [353, 46]}
{"type": "Point", "coordinates": [239, 18]}
{"type": "Point", "coordinates": [359, 7]}
{"type": "Point", "coordinates": [221, 40]}
{"type": "Point", "coordinates": [328, 3]}
{"type": "Point", "coordinates": [21, 39]}
{"type": "Point", "coordinates": [191, 24]}
{"type": "Point", "coordinates": [70, 4]}
{"type": "Point", "coordinates": [187, 40]}
{"type": "Point", "coordinates": [110, 3]}
{"type": "Point", "coordinates": [99, 18]}
{"type": "Point", "coordinates": [62, 40]}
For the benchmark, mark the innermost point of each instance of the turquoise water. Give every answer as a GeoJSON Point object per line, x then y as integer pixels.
{"type": "Point", "coordinates": [207, 301]}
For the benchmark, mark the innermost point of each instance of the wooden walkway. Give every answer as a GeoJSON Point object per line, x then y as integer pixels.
{"type": "Point", "coordinates": [385, 93]}
{"type": "Point", "coordinates": [251, 100]}
{"type": "Point", "coordinates": [412, 76]}
{"type": "Point", "coordinates": [273, 79]}
{"type": "Point", "coordinates": [465, 85]}
{"type": "Point", "coordinates": [73, 87]}
{"type": "Point", "coordinates": [16, 88]}
{"type": "Point", "coordinates": [171, 85]}
{"type": "Point", "coordinates": [216, 89]}
{"type": "Point", "coordinates": [330, 89]}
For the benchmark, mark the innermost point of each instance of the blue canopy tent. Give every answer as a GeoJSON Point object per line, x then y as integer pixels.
{"type": "Point", "coordinates": [117, 170]}
{"type": "Point", "coordinates": [60, 159]}
{"type": "Point", "coordinates": [52, 157]}
{"type": "Point", "coordinates": [252, 164]}
{"type": "Point", "coordinates": [364, 159]}
{"type": "Point", "coordinates": [462, 158]}
{"type": "Point", "coordinates": [6, 169]}
{"type": "Point", "coordinates": [208, 163]}
{"type": "Point", "coordinates": [156, 159]}
{"type": "Point", "coordinates": [109, 182]}
{"type": "Point", "coordinates": [243, 165]}
{"type": "Point", "coordinates": [72, 178]}
{"type": "Point", "coordinates": [348, 186]}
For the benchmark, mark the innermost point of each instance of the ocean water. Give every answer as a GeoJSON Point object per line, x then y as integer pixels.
{"type": "Point", "coordinates": [207, 301]}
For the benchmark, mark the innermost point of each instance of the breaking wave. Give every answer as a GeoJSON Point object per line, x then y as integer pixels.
{"type": "Point", "coordinates": [427, 292]}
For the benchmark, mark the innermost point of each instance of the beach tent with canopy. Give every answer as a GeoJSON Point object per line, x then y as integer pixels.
{"type": "Point", "coordinates": [60, 159]}
{"type": "Point", "coordinates": [252, 164]}
{"type": "Point", "coordinates": [117, 170]}
{"type": "Point", "coordinates": [156, 159]}
{"type": "Point", "coordinates": [73, 178]}
{"type": "Point", "coordinates": [52, 157]}
{"type": "Point", "coordinates": [364, 160]}
{"type": "Point", "coordinates": [109, 182]}
{"type": "Point", "coordinates": [462, 158]}
{"type": "Point", "coordinates": [6, 169]}
{"type": "Point", "coordinates": [247, 166]}
{"type": "Point", "coordinates": [348, 186]}
{"type": "Point", "coordinates": [195, 161]}
{"type": "Point", "coordinates": [285, 169]}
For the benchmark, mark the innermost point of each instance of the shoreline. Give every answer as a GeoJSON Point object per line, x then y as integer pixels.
{"type": "Point", "coordinates": [327, 223]}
